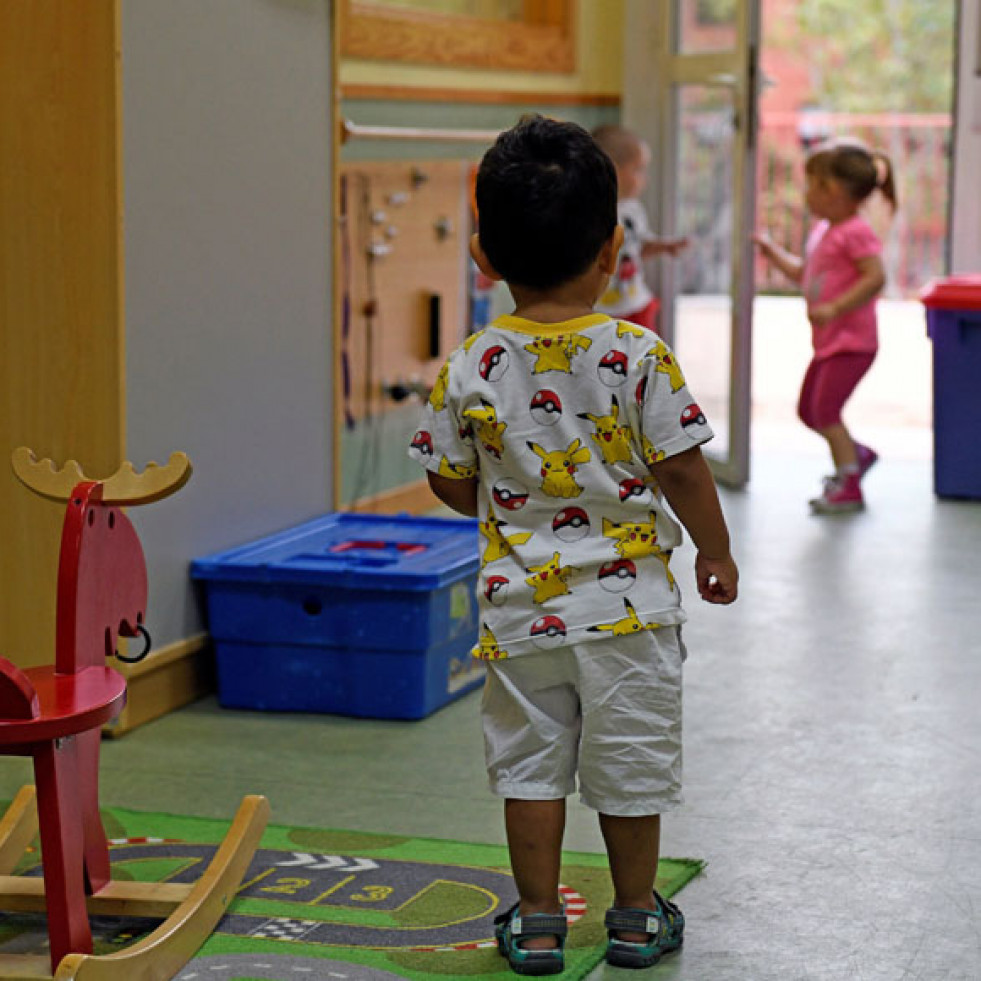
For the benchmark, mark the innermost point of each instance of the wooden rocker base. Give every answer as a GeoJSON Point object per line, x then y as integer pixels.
{"type": "Point", "coordinates": [189, 912]}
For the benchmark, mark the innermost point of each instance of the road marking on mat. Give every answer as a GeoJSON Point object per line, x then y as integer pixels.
{"type": "Point", "coordinates": [280, 928]}
{"type": "Point", "coordinates": [143, 841]}
{"type": "Point", "coordinates": [575, 905]}
{"type": "Point", "coordinates": [575, 909]}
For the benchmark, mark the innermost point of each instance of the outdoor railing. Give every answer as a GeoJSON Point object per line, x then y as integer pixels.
{"type": "Point", "coordinates": [918, 145]}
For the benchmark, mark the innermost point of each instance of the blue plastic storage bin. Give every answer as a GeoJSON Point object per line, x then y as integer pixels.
{"type": "Point", "coordinates": [953, 310]}
{"type": "Point", "coordinates": [365, 615]}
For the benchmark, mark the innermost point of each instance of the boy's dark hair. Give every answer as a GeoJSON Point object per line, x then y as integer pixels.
{"type": "Point", "coordinates": [546, 202]}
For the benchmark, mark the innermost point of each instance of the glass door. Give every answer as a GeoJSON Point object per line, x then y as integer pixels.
{"type": "Point", "coordinates": [707, 88]}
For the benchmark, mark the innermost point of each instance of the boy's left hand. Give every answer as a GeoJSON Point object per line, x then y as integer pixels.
{"type": "Point", "coordinates": [717, 579]}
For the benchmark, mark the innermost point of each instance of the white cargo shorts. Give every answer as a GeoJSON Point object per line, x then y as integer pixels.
{"type": "Point", "coordinates": [609, 711]}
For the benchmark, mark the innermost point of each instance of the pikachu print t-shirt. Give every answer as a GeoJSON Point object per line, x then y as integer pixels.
{"type": "Point", "coordinates": [558, 422]}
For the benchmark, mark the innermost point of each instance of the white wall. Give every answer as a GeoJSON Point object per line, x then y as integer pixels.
{"type": "Point", "coordinates": [226, 152]}
{"type": "Point", "coordinates": [966, 202]}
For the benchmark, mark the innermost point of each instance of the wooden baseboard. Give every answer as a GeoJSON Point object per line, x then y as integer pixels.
{"type": "Point", "coordinates": [168, 679]}
{"type": "Point", "coordinates": [414, 498]}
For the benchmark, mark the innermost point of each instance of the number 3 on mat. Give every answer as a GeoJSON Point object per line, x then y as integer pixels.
{"type": "Point", "coordinates": [373, 894]}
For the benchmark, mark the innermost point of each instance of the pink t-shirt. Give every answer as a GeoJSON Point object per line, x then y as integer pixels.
{"type": "Point", "coordinates": [829, 270]}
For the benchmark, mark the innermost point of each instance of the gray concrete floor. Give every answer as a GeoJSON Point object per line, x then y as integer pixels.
{"type": "Point", "coordinates": [833, 746]}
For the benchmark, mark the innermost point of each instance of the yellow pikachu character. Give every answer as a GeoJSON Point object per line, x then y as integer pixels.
{"type": "Point", "coordinates": [499, 545]}
{"type": "Point", "coordinates": [667, 364]}
{"type": "Point", "coordinates": [549, 579]}
{"type": "Point", "coordinates": [487, 647]}
{"type": "Point", "coordinates": [559, 468]}
{"type": "Point", "coordinates": [665, 557]}
{"type": "Point", "coordinates": [489, 430]}
{"type": "Point", "coordinates": [437, 397]}
{"type": "Point", "coordinates": [556, 353]}
{"type": "Point", "coordinates": [625, 328]}
{"type": "Point", "coordinates": [612, 439]}
{"type": "Point", "coordinates": [634, 539]}
{"type": "Point", "coordinates": [456, 471]}
{"type": "Point", "coordinates": [630, 624]}
{"type": "Point", "coordinates": [651, 453]}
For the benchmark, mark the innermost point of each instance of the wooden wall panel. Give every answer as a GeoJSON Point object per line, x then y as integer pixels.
{"type": "Point", "coordinates": [61, 347]}
{"type": "Point", "coordinates": [423, 227]}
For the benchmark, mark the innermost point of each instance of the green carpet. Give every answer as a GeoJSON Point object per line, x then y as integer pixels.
{"type": "Point", "coordinates": [319, 904]}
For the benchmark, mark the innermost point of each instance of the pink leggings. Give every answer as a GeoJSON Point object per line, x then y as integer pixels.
{"type": "Point", "coordinates": [828, 384]}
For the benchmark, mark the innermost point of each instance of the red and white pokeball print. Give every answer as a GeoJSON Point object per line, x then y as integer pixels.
{"type": "Point", "coordinates": [509, 494]}
{"type": "Point", "coordinates": [547, 631]}
{"type": "Point", "coordinates": [496, 590]}
{"type": "Point", "coordinates": [545, 407]}
{"type": "Point", "coordinates": [617, 576]}
{"type": "Point", "coordinates": [612, 369]}
{"type": "Point", "coordinates": [570, 524]}
{"type": "Point", "coordinates": [633, 487]}
{"type": "Point", "coordinates": [493, 363]}
{"type": "Point", "coordinates": [422, 442]}
{"type": "Point", "coordinates": [692, 416]}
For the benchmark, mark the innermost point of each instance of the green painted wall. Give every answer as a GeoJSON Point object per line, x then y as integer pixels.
{"type": "Point", "coordinates": [373, 453]}
{"type": "Point", "coordinates": [449, 115]}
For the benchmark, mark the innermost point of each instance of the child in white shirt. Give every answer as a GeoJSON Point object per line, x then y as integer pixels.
{"type": "Point", "coordinates": [628, 296]}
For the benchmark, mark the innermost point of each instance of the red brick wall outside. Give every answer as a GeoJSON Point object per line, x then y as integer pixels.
{"type": "Point", "coordinates": [918, 145]}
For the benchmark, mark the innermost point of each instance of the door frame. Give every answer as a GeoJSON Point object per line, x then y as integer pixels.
{"type": "Point", "coordinates": [655, 69]}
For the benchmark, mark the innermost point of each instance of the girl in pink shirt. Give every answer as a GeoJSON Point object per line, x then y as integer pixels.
{"type": "Point", "coordinates": [841, 275]}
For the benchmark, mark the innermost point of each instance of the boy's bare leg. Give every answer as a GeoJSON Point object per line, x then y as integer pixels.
{"type": "Point", "coordinates": [632, 844]}
{"type": "Point", "coordinates": [534, 831]}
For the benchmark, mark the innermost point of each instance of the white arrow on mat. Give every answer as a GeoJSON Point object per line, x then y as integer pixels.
{"type": "Point", "coordinates": [322, 863]}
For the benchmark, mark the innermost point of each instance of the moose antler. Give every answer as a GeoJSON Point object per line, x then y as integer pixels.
{"type": "Point", "coordinates": [125, 486]}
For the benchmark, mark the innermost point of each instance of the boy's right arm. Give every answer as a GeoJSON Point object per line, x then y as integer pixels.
{"type": "Point", "coordinates": [792, 266]}
{"type": "Point", "coordinates": [459, 495]}
{"type": "Point", "coordinates": [687, 483]}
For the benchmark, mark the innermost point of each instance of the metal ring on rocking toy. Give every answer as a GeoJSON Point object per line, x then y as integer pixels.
{"type": "Point", "coordinates": [128, 659]}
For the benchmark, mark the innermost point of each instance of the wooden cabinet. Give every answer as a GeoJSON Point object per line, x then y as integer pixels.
{"type": "Point", "coordinates": [61, 284]}
{"type": "Point", "coordinates": [165, 257]}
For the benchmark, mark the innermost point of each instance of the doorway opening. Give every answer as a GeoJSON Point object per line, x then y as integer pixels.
{"type": "Point", "coordinates": [883, 73]}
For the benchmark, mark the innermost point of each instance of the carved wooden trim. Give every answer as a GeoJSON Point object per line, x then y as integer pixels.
{"type": "Point", "coordinates": [544, 42]}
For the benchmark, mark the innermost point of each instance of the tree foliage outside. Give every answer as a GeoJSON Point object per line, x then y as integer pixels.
{"type": "Point", "coordinates": [876, 55]}
{"type": "Point", "coordinates": [716, 11]}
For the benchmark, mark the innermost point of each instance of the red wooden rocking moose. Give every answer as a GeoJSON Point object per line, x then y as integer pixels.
{"type": "Point", "coordinates": [54, 714]}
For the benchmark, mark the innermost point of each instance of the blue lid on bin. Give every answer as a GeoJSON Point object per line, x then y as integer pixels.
{"type": "Point", "coordinates": [358, 551]}
{"type": "Point", "coordinates": [953, 293]}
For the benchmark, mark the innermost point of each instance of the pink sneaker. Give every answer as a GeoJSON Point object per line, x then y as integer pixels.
{"type": "Point", "coordinates": [866, 457]}
{"type": "Point", "coordinates": [842, 493]}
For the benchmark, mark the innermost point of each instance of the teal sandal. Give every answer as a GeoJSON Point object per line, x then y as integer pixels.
{"type": "Point", "coordinates": [665, 926]}
{"type": "Point", "coordinates": [511, 929]}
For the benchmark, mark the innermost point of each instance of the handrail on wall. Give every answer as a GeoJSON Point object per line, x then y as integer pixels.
{"type": "Point", "coordinates": [355, 131]}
